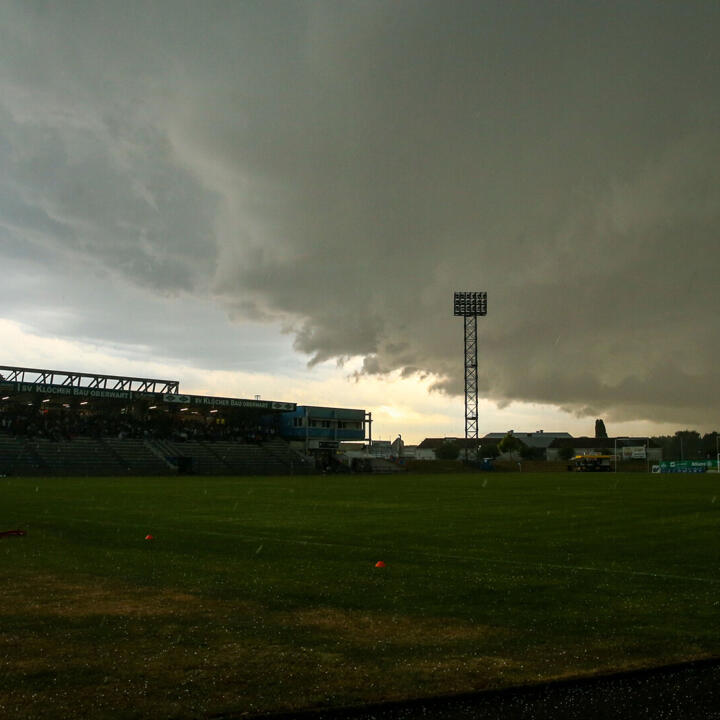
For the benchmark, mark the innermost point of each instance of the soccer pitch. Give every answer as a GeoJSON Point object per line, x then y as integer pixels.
{"type": "Point", "coordinates": [261, 594]}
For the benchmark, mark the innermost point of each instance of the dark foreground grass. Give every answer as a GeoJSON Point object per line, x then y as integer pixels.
{"type": "Point", "coordinates": [261, 594]}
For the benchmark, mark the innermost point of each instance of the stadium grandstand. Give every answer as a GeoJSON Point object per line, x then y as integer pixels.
{"type": "Point", "coordinates": [71, 423]}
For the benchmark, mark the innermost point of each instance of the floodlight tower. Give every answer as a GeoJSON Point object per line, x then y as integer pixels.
{"type": "Point", "coordinates": [469, 305]}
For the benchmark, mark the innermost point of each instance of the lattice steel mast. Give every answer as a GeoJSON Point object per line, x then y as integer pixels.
{"type": "Point", "coordinates": [469, 305]}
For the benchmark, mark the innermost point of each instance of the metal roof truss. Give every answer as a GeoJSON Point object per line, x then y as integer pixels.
{"type": "Point", "coordinates": [34, 376]}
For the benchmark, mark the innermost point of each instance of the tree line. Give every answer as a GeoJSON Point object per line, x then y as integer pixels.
{"type": "Point", "coordinates": [688, 445]}
{"type": "Point", "coordinates": [683, 445]}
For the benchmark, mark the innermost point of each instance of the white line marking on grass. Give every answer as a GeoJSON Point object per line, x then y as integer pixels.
{"type": "Point", "coordinates": [264, 537]}
{"type": "Point", "coordinates": [580, 568]}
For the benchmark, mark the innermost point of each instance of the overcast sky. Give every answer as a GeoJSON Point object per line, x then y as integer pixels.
{"type": "Point", "coordinates": [280, 198]}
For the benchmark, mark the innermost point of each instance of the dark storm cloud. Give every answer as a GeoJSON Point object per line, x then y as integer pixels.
{"type": "Point", "coordinates": [83, 166]}
{"type": "Point", "coordinates": [342, 168]}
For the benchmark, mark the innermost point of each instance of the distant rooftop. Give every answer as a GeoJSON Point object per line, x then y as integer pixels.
{"type": "Point", "coordinates": [434, 443]}
{"type": "Point", "coordinates": [537, 439]}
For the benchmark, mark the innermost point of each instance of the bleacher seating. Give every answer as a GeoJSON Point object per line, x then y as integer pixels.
{"type": "Point", "coordinates": [252, 459]}
{"type": "Point", "coordinates": [237, 458]}
{"type": "Point", "coordinates": [17, 457]}
{"type": "Point", "coordinates": [294, 462]}
{"type": "Point", "coordinates": [138, 457]}
{"type": "Point", "coordinates": [80, 456]}
{"type": "Point", "coordinates": [126, 456]}
{"type": "Point", "coordinates": [204, 460]}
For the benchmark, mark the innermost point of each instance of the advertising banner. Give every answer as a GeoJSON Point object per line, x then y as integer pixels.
{"type": "Point", "coordinates": [634, 452]}
{"type": "Point", "coordinates": [682, 466]}
{"type": "Point", "coordinates": [209, 401]}
{"type": "Point", "coordinates": [16, 388]}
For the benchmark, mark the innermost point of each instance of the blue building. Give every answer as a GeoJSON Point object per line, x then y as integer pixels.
{"type": "Point", "coordinates": [310, 429]}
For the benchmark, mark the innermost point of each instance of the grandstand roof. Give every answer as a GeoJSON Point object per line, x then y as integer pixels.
{"type": "Point", "coordinates": [25, 382]}
{"type": "Point", "coordinates": [10, 373]}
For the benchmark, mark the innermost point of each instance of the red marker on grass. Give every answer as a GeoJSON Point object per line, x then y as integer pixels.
{"type": "Point", "coordinates": [13, 533]}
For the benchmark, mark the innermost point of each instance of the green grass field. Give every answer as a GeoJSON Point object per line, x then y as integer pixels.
{"type": "Point", "coordinates": [260, 594]}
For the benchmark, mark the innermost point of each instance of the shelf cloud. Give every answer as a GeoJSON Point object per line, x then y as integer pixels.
{"type": "Point", "coordinates": [339, 169]}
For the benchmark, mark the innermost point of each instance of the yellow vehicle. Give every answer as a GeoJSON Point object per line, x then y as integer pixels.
{"type": "Point", "coordinates": [591, 463]}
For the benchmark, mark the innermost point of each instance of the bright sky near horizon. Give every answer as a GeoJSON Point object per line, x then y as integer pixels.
{"type": "Point", "coordinates": [279, 198]}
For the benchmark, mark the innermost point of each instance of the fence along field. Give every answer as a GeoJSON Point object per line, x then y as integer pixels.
{"type": "Point", "coordinates": [261, 594]}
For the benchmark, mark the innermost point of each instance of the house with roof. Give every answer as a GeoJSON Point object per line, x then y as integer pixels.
{"type": "Point", "coordinates": [538, 439]}
{"type": "Point", "coordinates": [427, 448]}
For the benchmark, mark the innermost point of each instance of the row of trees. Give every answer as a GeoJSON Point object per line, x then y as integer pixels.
{"type": "Point", "coordinates": [683, 445]}
{"type": "Point", "coordinates": [451, 450]}
{"type": "Point", "coordinates": [688, 445]}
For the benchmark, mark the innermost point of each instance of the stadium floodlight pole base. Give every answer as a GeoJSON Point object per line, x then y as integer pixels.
{"type": "Point", "coordinates": [469, 305]}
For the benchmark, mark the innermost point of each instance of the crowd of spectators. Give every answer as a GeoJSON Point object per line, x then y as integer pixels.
{"type": "Point", "coordinates": [61, 424]}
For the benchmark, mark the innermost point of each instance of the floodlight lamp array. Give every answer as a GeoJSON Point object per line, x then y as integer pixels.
{"type": "Point", "coordinates": [469, 304]}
